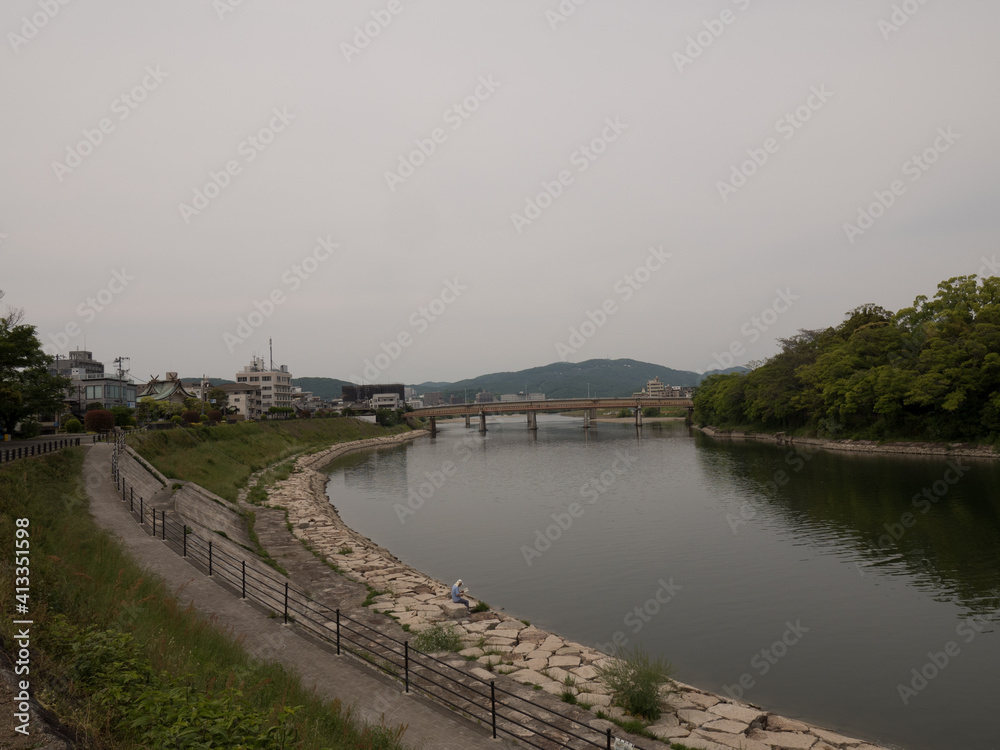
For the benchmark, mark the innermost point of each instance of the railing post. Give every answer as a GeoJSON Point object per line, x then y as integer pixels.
{"type": "Point", "coordinates": [338, 632]}
{"type": "Point", "coordinates": [142, 512]}
{"type": "Point", "coordinates": [154, 523]}
{"type": "Point", "coordinates": [493, 705]}
{"type": "Point", "coordinates": [131, 494]}
{"type": "Point", "coordinates": [609, 738]}
{"type": "Point", "coordinates": [286, 602]}
{"type": "Point", "coordinates": [210, 558]}
{"type": "Point", "coordinates": [244, 589]}
{"type": "Point", "coordinates": [185, 541]}
{"type": "Point", "coordinates": [163, 525]}
{"type": "Point", "coordinates": [406, 666]}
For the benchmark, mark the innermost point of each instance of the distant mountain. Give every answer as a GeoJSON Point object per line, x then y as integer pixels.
{"type": "Point", "coordinates": [325, 388]}
{"type": "Point", "coordinates": [599, 377]}
{"type": "Point", "coordinates": [603, 377]}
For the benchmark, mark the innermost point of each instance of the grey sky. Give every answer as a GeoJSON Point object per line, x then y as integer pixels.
{"type": "Point", "coordinates": [501, 292]}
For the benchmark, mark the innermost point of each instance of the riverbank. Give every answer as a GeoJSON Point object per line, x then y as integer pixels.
{"type": "Point", "coordinates": [497, 644]}
{"type": "Point", "coordinates": [945, 450]}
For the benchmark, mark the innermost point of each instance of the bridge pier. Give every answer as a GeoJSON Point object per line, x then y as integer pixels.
{"type": "Point", "coordinates": [434, 425]}
{"type": "Point", "coordinates": [689, 419]}
{"type": "Point", "coordinates": [468, 420]}
{"type": "Point", "coordinates": [586, 419]}
{"type": "Point", "coordinates": [593, 416]}
{"type": "Point", "coordinates": [532, 423]}
{"type": "Point", "coordinates": [482, 421]}
{"type": "Point", "coordinates": [638, 416]}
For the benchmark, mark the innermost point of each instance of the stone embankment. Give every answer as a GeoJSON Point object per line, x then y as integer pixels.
{"type": "Point", "coordinates": [945, 450]}
{"type": "Point", "coordinates": [499, 644]}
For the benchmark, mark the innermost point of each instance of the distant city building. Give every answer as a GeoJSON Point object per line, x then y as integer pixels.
{"type": "Point", "coordinates": [484, 398]}
{"type": "Point", "coordinates": [455, 398]}
{"type": "Point", "coordinates": [522, 396]}
{"type": "Point", "coordinates": [433, 399]}
{"type": "Point", "coordinates": [362, 394]}
{"type": "Point", "coordinates": [655, 389]}
{"type": "Point", "coordinates": [415, 403]}
{"type": "Point", "coordinates": [275, 385]}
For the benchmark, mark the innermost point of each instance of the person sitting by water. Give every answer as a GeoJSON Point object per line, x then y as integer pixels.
{"type": "Point", "coordinates": [456, 594]}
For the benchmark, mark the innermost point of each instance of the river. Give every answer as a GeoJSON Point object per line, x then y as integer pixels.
{"type": "Point", "coordinates": [857, 592]}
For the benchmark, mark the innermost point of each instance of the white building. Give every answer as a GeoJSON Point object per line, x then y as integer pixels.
{"type": "Point", "coordinates": [386, 401]}
{"type": "Point", "coordinates": [275, 385]}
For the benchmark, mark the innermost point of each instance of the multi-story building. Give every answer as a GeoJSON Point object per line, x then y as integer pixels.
{"type": "Point", "coordinates": [90, 384]}
{"type": "Point", "coordinates": [522, 396]}
{"type": "Point", "coordinates": [275, 385]}
{"type": "Point", "coordinates": [244, 398]}
{"type": "Point", "coordinates": [386, 401]}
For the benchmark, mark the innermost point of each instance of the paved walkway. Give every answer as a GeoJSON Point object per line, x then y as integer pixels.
{"type": "Point", "coordinates": [429, 726]}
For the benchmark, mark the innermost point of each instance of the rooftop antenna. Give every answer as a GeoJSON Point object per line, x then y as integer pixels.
{"type": "Point", "coordinates": [270, 348]}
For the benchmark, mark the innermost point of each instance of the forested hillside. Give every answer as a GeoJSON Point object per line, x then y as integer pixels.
{"type": "Point", "coordinates": [926, 372]}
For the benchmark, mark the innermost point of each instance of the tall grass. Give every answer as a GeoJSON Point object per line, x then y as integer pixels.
{"type": "Point", "coordinates": [221, 458]}
{"type": "Point", "coordinates": [80, 573]}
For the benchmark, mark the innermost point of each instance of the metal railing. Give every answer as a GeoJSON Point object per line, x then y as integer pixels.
{"type": "Point", "coordinates": [40, 447]}
{"type": "Point", "coordinates": [460, 691]}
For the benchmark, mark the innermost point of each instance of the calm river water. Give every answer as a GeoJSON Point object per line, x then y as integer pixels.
{"type": "Point", "coordinates": [859, 592]}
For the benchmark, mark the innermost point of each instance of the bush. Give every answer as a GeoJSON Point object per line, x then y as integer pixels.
{"type": "Point", "coordinates": [191, 416]}
{"type": "Point", "coordinates": [623, 413]}
{"type": "Point", "coordinates": [73, 425]}
{"type": "Point", "coordinates": [99, 420]}
{"type": "Point", "coordinates": [204, 418]}
{"type": "Point", "coordinates": [651, 411]}
{"type": "Point", "coordinates": [176, 419]}
{"type": "Point", "coordinates": [215, 415]}
{"type": "Point", "coordinates": [94, 405]}
{"type": "Point", "coordinates": [635, 681]}
{"type": "Point", "coordinates": [123, 416]}
{"type": "Point", "coordinates": [438, 638]}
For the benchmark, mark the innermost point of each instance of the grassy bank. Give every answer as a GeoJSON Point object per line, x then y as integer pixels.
{"type": "Point", "coordinates": [221, 458]}
{"type": "Point", "coordinates": [117, 658]}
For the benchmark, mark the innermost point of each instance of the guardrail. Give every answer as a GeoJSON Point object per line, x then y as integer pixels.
{"type": "Point", "coordinates": [465, 693]}
{"type": "Point", "coordinates": [40, 447]}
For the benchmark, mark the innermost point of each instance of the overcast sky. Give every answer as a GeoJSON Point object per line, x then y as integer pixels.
{"type": "Point", "coordinates": [431, 190]}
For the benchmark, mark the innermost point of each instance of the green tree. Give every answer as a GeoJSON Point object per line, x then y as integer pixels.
{"type": "Point", "coordinates": [123, 416]}
{"type": "Point", "coordinates": [27, 388]}
{"type": "Point", "coordinates": [220, 398]}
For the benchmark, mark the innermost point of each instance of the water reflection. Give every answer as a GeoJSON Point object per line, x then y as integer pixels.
{"type": "Point", "coordinates": [935, 519]}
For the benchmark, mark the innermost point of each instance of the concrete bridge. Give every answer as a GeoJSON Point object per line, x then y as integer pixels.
{"type": "Point", "coordinates": [589, 406]}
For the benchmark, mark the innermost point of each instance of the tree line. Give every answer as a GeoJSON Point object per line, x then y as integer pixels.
{"type": "Point", "coordinates": [930, 371]}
